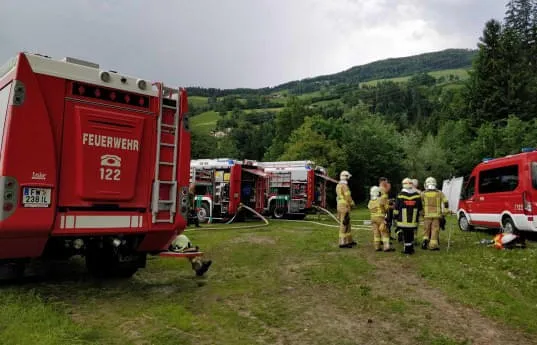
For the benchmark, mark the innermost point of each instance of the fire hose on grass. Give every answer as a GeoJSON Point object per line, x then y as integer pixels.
{"type": "Point", "coordinates": [266, 223]}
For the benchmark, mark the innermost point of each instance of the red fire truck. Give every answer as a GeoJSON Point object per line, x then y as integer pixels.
{"type": "Point", "coordinates": [222, 184]}
{"type": "Point", "coordinates": [294, 187]}
{"type": "Point", "coordinates": [108, 175]}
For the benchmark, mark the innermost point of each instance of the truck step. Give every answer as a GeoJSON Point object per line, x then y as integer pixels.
{"type": "Point", "coordinates": [166, 163]}
{"type": "Point", "coordinates": [163, 221]}
{"type": "Point", "coordinates": [169, 107]}
{"type": "Point", "coordinates": [164, 125]}
{"type": "Point", "coordinates": [167, 182]}
{"type": "Point", "coordinates": [165, 201]}
{"type": "Point", "coordinates": [167, 145]}
{"type": "Point", "coordinates": [180, 255]}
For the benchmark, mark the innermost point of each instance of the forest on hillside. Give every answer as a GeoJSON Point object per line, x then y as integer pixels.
{"type": "Point", "coordinates": [423, 127]}
{"type": "Point", "coordinates": [383, 69]}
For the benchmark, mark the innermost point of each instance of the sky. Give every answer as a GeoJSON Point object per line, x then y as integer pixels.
{"type": "Point", "coordinates": [239, 43]}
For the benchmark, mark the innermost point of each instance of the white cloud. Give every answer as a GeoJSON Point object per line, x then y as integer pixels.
{"type": "Point", "coordinates": [240, 43]}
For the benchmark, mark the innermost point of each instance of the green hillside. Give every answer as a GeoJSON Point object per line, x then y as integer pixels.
{"type": "Point", "coordinates": [205, 116]}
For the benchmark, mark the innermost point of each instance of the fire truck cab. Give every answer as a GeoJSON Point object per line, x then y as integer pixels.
{"type": "Point", "coordinates": [93, 163]}
{"type": "Point", "coordinates": [501, 193]}
{"type": "Point", "coordinates": [294, 187]}
{"type": "Point", "coordinates": [222, 184]}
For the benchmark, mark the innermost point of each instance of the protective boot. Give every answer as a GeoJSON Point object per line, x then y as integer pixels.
{"type": "Point", "coordinates": [203, 268]}
{"type": "Point", "coordinates": [425, 243]}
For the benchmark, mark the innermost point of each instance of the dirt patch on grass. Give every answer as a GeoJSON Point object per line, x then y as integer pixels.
{"type": "Point", "coordinates": [429, 308]}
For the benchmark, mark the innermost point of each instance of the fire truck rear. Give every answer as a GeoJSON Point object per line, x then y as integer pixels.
{"type": "Point", "coordinates": [93, 163]}
{"type": "Point", "coordinates": [223, 184]}
{"type": "Point", "coordinates": [294, 187]}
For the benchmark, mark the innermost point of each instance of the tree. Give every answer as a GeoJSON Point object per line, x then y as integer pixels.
{"type": "Point", "coordinates": [306, 143]}
{"type": "Point", "coordinates": [286, 121]}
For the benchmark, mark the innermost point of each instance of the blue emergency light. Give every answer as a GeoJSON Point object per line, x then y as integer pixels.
{"type": "Point", "coordinates": [527, 149]}
{"type": "Point", "coordinates": [487, 159]}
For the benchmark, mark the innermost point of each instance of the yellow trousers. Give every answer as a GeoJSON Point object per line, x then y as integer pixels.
{"type": "Point", "coordinates": [345, 236]}
{"type": "Point", "coordinates": [380, 233]}
{"type": "Point", "coordinates": [431, 231]}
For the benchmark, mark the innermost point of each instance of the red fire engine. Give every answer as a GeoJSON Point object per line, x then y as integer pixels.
{"type": "Point", "coordinates": [93, 162]}
{"type": "Point", "coordinates": [294, 187]}
{"type": "Point", "coordinates": [223, 184]}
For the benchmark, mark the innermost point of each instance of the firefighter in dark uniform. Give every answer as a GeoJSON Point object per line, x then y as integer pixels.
{"type": "Point", "coordinates": [408, 207]}
{"type": "Point", "coordinates": [192, 215]}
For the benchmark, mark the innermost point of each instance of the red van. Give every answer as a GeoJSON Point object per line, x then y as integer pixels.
{"type": "Point", "coordinates": [501, 194]}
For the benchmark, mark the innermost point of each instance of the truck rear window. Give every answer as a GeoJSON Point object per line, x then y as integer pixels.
{"type": "Point", "coordinates": [504, 179]}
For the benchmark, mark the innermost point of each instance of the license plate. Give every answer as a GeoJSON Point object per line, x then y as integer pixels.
{"type": "Point", "coordinates": [36, 197]}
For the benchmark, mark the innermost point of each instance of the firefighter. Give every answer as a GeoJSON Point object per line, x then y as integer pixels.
{"type": "Point", "coordinates": [181, 244]}
{"type": "Point", "coordinates": [192, 214]}
{"type": "Point", "coordinates": [344, 205]}
{"type": "Point", "coordinates": [433, 201]}
{"type": "Point", "coordinates": [386, 187]}
{"type": "Point", "coordinates": [408, 207]}
{"type": "Point", "coordinates": [415, 185]}
{"type": "Point", "coordinates": [378, 206]}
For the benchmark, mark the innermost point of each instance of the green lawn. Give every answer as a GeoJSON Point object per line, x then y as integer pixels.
{"type": "Point", "coordinates": [289, 283]}
{"type": "Point", "coordinates": [204, 122]}
{"type": "Point", "coordinates": [197, 101]}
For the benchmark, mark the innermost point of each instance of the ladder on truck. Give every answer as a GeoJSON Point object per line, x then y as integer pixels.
{"type": "Point", "coordinates": [170, 202]}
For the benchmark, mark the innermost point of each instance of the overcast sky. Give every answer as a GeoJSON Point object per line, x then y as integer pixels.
{"type": "Point", "coordinates": [239, 43]}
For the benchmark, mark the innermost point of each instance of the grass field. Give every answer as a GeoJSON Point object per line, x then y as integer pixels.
{"type": "Point", "coordinates": [205, 122]}
{"type": "Point", "coordinates": [197, 101]}
{"type": "Point", "coordinates": [288, 283]}
{"type": "Point", "coordinates": [461, 73]}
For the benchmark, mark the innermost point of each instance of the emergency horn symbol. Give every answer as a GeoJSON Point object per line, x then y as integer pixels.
{"type": "Point", "coordinates": [110, 161]}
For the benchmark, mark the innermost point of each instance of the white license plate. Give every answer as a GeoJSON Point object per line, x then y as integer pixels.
{"type": "Point", "coordinates": [36, 197]}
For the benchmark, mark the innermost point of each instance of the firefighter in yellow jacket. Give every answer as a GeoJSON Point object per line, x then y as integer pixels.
{"type": "Point", "coordinates": [433, 200]}
{"type": "Point", "coordinates": [378, 207]}
{"type": "Point", "coordinates": [344, 205]}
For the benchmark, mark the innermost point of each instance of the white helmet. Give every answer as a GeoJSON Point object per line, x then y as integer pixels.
{"type": "Point", "coordinates": [430, 183]}
{"type": "Point", "coordinates": [407, 183]}
{"type": "Point", "coordinates": [181, 242]}
{"type": "Point", "coordinates": [415, 183]}
{"type": "Point", "coordinates": [345, 175]}
{"type": "Point", "coordinates": [374, 192]}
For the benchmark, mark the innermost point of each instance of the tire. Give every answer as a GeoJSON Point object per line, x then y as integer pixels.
{"type": "Point", "coordinates": [464, 225]}
{"type": "Point", "coordinates": [508, 226]}
{"type": "Point", "coordinates": [203, 212]}
{"type": "Point", "coordinates": [103, 264]}
{"type": "Point", "coordinates": [278, 213]}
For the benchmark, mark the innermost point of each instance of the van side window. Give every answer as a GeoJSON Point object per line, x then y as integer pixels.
{"type": "Point", "coordinates": [534, 174]}
{"type": "Point", "coordinates": [504, 179]}
{"type": "Point", "coordinates": [469, 189]}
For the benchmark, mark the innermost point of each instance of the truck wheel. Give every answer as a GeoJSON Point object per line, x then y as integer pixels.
{"type": "Point", "coordinates": [278, 212]}
{"type": "Point", "coordinates": [508, 226]}
{"type": "Point", "coordinates": [104, 264]}
{"type": "Point", "coordinates": [464, 225]}
{"type": "Point", "coordinates": [203, 212]}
